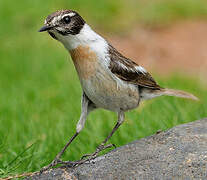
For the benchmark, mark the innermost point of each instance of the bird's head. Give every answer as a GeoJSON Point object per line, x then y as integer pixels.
{"type": "Point", "coordinates": [63, 23]}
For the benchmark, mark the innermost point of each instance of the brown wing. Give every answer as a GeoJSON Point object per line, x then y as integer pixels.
{"type": "Point", "coordinates": [129, 71]}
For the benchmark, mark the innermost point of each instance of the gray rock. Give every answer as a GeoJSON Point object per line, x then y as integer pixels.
{"type": "Point", "coordinates": [178, 153]}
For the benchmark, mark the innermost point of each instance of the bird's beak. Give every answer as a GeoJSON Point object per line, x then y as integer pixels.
{"type": "Point", "coordinates": [45, 28]}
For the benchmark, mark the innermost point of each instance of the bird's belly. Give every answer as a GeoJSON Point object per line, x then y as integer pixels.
{"type": "Point", "coordinates": [105, 92]}
{"type": "Point", "coordinates": [100, 85]}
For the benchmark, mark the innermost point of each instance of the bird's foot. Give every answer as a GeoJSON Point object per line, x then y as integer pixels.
{"type": "Point", "coordinates": [56, 162]}
{"type": "Point", "coordinates": [85, 158]}
{"type": "Point", "coordinates": [100, 148]}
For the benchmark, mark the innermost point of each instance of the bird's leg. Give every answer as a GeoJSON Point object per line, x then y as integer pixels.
{"type": "Point", "coordinates": [86, 107]}
{"type": "Point", "coordinates": [102, 146]}
{"type": "Point", "coordinates": [57, 159]}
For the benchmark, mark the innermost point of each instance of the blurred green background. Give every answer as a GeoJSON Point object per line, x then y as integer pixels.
{"type": "Point", "coordinates": [40, 91]}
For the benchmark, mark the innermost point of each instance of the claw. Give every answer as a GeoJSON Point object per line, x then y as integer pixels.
{"type": "Point", "coordinates": [100, 148]}
{"type": "Point", "coordinates": [103, 147]}
{"type": "Point", "coordinates": [57, 161]}
{"type": "Point", "coordinates": [85, 155]}
{"type": "Point", "coordinates": [52, 164]}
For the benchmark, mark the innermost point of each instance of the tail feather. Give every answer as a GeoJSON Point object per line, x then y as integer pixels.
{"type": "Point", "coordinates": [147, 93]}
{"type": "Point", "coordinates": [178, 93]}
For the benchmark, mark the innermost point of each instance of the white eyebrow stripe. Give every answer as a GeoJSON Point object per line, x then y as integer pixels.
{"type": "Point", "coordinates": [69, 14]}
{"type": "Point", "coordinates": [58, 18]}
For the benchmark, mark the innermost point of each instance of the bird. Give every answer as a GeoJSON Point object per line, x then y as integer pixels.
{"type": "Point", "coordinates": [108, 79]}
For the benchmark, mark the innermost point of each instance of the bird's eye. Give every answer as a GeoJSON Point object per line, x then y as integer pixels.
{"type": "Point", "coordinates": [66, 19]}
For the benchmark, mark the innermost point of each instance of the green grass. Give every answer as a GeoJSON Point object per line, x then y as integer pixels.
{"type": "Point", "coordinates": [40, 92]}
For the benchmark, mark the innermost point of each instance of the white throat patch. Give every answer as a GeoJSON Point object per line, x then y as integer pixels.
{"type": "Point", "coordinates": [86, 37]}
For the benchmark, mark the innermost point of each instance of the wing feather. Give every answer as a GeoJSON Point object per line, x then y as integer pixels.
{"type": "Point", "coordinates": [129, 71]}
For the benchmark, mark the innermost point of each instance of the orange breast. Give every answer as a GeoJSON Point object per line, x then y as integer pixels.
{"type": "Point", "coordinates": [85, 61]}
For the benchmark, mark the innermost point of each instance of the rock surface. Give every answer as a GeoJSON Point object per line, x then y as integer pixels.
{"type": "Point", "coordinates": [178, 153]}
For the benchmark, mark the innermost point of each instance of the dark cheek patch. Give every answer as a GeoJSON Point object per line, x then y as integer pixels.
{"type": "Point", "coordinates": [74, 27]}
{"type": "Point", "coordinates": [63, 33]}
